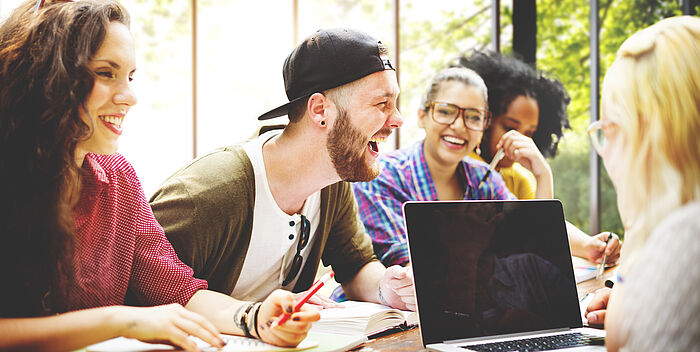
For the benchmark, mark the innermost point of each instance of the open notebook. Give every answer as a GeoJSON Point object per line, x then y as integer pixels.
{"type": "Point", "coordinates": [233, 343]}
{"type": "Point", "coordinates": [362, 318]}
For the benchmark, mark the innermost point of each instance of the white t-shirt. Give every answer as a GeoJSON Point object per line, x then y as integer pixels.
{"type": "Point", "coordinates": [275, 234]}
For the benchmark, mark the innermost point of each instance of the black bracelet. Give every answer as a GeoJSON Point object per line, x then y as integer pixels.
{"type": "Point", "coordinates": [243, 322]}
{"type": "Point", "coordinates": [256, 320]}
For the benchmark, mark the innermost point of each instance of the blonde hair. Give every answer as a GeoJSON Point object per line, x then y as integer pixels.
{"type": "Point", "coordinates": [652, 92]}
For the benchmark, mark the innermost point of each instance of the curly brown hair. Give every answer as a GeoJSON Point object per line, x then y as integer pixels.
{"type": "Point", "coordinates": [507, 78]}
{"type": "Point", "coordinates": [46, 82]}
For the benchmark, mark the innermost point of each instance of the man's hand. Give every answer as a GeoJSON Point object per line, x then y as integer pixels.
{"type": "Point", "coordinates": [595, 312]}
{"type": "Point", "coordinates": [291, 332]}
{"type": "Point", "coordinates": [595, 247]}
{"type": "Point", "coordinates": [396, 288]}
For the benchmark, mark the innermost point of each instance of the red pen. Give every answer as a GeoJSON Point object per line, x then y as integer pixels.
{"type": "Point", "coordinates": [314, 288]}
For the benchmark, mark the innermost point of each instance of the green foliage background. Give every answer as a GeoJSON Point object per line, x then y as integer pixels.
{"type": "Point", "coordinates": [562, 50]}
{"type": "Point", "coordinates": [430, 42]}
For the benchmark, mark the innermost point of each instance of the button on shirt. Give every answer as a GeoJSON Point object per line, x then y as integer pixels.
{"type": "Point", "coordinates": [119, 243]}
{"type": "Point", "coordinates": [275, 235]}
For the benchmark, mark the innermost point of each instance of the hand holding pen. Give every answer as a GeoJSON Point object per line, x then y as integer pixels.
{"type": "Point", "coordinates": [293, 331]}
{"type": "Point", "coordinates": [610, 250]}
{"type": "Point", "coordinates": [312, 291]}
{"type": "Point", "coordinates": [492, 166]}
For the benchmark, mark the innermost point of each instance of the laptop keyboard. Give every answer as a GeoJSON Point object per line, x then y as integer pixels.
{"type": "Point", "coordinates": [545, 343]}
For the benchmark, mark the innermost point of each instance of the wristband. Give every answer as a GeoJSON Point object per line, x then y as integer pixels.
{"type": "Point", "coordinates": [255, 320]}
{"type": "Point", "coordinates": [242, 323]}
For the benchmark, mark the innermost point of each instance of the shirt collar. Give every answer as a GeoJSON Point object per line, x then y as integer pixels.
{"type": "Point", "coordinates": [92, 167]}
{"type": "Point", "coordinates": [419, 161]}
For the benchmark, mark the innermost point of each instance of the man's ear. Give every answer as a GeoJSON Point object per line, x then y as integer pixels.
{"type": "Point", "coordinates": [318, 107]}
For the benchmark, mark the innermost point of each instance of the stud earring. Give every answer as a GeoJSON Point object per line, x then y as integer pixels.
{"type": "Point", "coordinates": [323, 122]}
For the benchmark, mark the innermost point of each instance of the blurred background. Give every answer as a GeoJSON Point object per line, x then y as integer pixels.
{"type": "Point", "coordinates": [207, 69]}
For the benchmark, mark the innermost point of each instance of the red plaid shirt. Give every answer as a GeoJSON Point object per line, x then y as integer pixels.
{"type": "Point", "coordinates": [120, 245]}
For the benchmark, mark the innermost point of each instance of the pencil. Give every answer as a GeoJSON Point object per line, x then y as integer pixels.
{"type": "Point", "coordinates": [601, 269]}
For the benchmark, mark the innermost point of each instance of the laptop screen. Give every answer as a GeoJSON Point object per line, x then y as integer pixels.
{"type": "Point", "coordinates": [484, 268]}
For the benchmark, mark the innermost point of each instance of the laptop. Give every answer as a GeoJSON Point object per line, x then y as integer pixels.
{"type": "Point", "coordinates": [495, 276]}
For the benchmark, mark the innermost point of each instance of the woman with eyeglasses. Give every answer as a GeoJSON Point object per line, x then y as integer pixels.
{"type": "Point", "coordinates": [454, 113]}
{"type": "Point", "coordinates": [529, 109]}
{"type": "Point", "coordinates": [79, 238]}
{"type": "Point", "coordinates": [648, 139]}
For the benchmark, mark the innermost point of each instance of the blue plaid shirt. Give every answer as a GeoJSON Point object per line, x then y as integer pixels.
{"type": "Point", "coordinates": [405, 176]}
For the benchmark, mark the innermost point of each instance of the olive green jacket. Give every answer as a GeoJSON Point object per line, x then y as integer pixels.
{"type": "Point", "coordinates": [206, 210]}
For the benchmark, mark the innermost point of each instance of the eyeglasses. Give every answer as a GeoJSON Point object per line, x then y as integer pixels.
{"type": "Point", "coordinates": [446, 114]}
{"type": "Point", "coordinates": [303, 241]}
{"type": "Point", "coordinates": [40, 4]}
{"type": "Point", "coordinates": [595, 132]}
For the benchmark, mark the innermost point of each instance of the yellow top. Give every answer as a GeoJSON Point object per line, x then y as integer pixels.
{"type": "Point", "coordinates": [519, 180]}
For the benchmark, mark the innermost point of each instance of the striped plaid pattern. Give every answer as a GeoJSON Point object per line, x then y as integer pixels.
{"type": "Point", "coordinates": [405, 176]}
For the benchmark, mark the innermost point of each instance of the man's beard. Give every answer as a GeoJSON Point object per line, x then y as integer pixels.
{"type": "Point", "coordinates": [346, 146]}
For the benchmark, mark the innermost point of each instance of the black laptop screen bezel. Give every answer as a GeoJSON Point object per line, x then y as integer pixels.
{"type": "Point", "coordinates": [541, 234]}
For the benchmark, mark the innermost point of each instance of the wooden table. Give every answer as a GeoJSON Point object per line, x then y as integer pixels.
{"type": "Point", "coordinates": [410, 340]}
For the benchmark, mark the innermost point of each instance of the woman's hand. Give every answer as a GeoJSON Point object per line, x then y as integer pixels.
{"type": "Point", "coordinates": [291, 332]}
{"type": "Point", "coordinates": [595, 247]}
{"type": "Point", "coordinates": [169, 324]}
{"type": "Point", "coordinates": [595, 312]}
{"type": "Point", "coordinates": [522, 149]}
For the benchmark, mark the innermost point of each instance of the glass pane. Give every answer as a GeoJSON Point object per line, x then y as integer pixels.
{"type": "Point", "coordinates": [157, 135]}
{"type": "Point", "coordinates": [241, 48]}
{"type": "Point", "coordinates": [432, 35]}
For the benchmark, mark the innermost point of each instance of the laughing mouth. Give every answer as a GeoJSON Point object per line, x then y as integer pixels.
{"type": "Point", "coordinates": [454, 140]}
{"type": "Point", "coordinates": [374, 143]}
{"type": "Point", "coordinates": [113, 120]}
{"type": "Point", "coordinates": [373, 146]}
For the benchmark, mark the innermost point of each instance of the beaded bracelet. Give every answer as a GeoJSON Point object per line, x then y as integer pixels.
{"type": "Point", "coordinates": [243, 322]}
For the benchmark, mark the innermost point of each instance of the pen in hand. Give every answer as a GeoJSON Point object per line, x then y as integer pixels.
{"type": "Point", "coordinates": [314, 288]}
{"type": "Point", "coordinates": [496, 158]}
{"type": "Point", "coordinates": [601, 269]}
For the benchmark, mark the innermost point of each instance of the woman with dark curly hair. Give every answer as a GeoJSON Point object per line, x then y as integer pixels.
{"type": "Point", "coordinates": [528, 102]}
{"type": "Point", "coordinates": [529, 112]}
{"type": "Point", "coordinates": [78, 235]}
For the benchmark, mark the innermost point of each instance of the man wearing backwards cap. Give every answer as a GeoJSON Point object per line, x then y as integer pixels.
{"type": "Point", "coordinates": [257, 217]}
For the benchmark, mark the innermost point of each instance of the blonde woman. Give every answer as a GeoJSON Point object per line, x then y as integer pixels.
{"type": "Point", "coordinates": [647, 137]}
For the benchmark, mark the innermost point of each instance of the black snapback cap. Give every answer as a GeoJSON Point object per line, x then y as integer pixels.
{"type": "Point", "coordinates": [328, 59]}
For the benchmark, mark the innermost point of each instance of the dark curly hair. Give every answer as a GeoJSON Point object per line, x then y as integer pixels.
{"type": "Point", "coordinates": [46, 82]}
{"type": "Point", "coordinates": [507, 78]}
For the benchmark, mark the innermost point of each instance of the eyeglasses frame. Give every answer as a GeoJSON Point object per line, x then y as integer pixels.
{"type": "Point", "coordinates": [461, 112]}
{"type": "Point", "coordinates": [592, 129]}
